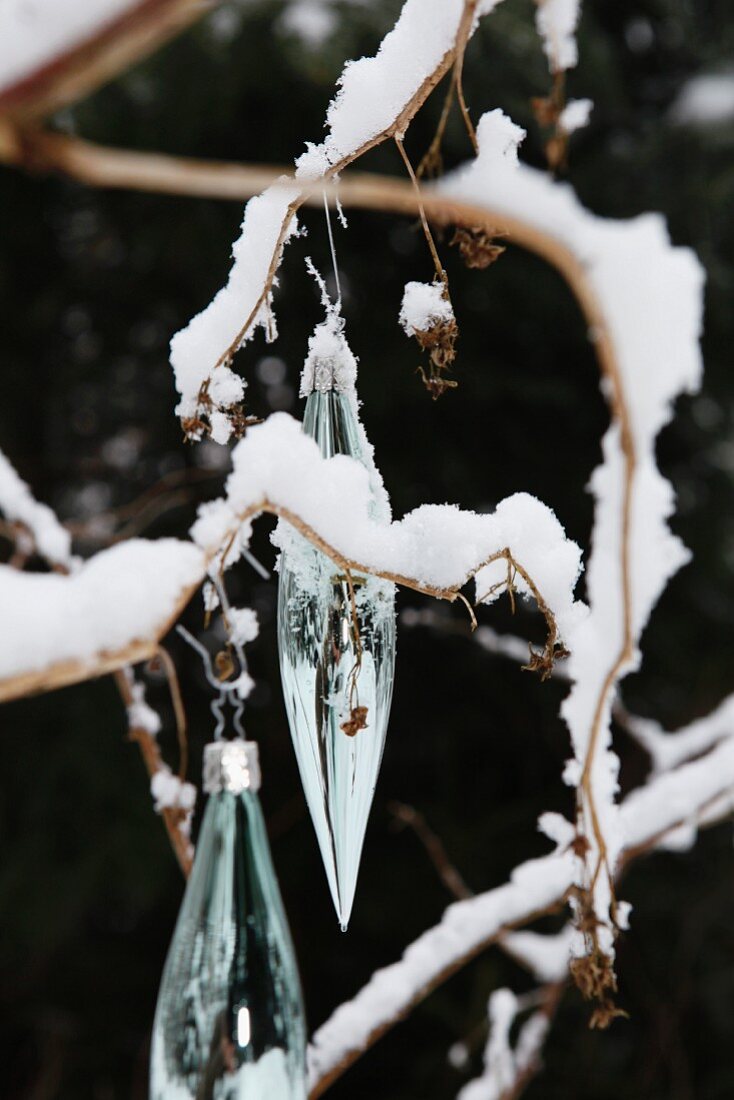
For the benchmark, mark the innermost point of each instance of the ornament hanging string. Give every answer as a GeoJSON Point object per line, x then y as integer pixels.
{"type": "Point", "coordinates": [338, 304]}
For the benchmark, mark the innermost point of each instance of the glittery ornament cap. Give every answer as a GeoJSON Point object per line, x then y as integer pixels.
{"type": "Point", "coordinates": [330, 364]}
{"type": "Point", "coordinates": [231, 766]}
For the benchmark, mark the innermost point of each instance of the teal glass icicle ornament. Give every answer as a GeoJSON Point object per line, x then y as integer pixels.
{"type": "Point", "coordinates": [337, 681]}
{"type": "Point", "coordinates": [229, 1024]}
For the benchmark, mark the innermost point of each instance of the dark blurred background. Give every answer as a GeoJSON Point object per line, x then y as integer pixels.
{"type": "Point", "coordinates": [92, 286]}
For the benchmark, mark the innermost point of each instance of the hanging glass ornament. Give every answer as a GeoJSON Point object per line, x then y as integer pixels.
{"type": "Point", "coordinates": [229, 1024]}
{"type": "Point", "coordinates": [336, 637]}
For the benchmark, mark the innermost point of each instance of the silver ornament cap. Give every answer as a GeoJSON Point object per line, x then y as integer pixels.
{"type": "Point", "coordinates": [232, 766]}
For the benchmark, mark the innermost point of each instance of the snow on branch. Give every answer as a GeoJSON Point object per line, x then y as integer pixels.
{"type": "Point", "coordinates": [32, 34]}
{"type": "Point", "coordinates": [646, 296]}
{"type": "Point", "coordinates": [547, 956]}
{"type": "Point", "coordinates": [540, 885]}
{"type": "Point", "coordinates": [507, 1069]}
{"type": "Point", "coordinates": [668, 750]}
{"type": "Point", "coordinates": [466, 928]}
{"type": "Point", "coordinates": [679, 797]}
{"type": "Point", "coordinates": [17, 503]}
{"type": "Point", "coordinates": [435, 549]}
{"type": "Point", "coordinates": [556, 21]}
{"type": "Point", "coordinates": [53, 52]}
{"type": "Point", "coordinates": [110, 612]}
{"type": "Point", "coordinates": [113, 610]}
{"type": "Point", "coordinates": [377, 98]}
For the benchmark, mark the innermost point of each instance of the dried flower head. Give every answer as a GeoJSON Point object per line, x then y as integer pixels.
{"type": "Point", "coordinates": [357, 721]}
{"type": "Point", "coordinates": [478, 248]}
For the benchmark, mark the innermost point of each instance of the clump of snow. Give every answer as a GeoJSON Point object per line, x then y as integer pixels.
{"type": "Point", "coordinates": [330, 362]}
{"type": "Point", "coordinates": [122, 595]}
{"type": "Point", "coordinates": [140, 715]}
{"type": "Point", "coordinates": [556, 21]}
{"type": "Point", "coordinates": [171, 793]}
{"type": "Point", "coordinates": [243, 686]}
{"type": "Point", "coordinates": [18, 505]}
{"type": "Point", "coordinates": [226, 388]}
{"type": "Point", "coordinates": [424, 306]}
{"type": "Point", "coordinates": [243, 625]}
{"type": "Point", "coordinates": [575, 115]}
{"type": "Point", "coordinates": [546, 956]}
{"type": "Point", "coordinates": [34, 32]}
{"type": "Point", "coordinates": [504, 1066]}
{"type": "Point", "coordinates": [706, 100]}
{"type": "Point", "coordinates": [215, 523]}
{"type": "Point", "coordinates": [210, 596]}
{"type": "Point", "coordinates": [557, 828]}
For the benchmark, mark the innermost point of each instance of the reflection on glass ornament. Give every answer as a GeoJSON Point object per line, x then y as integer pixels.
{"type": "Point", "coordinates": [229, 1024]}
{"type": "Point", "coordinates": [336, 638]}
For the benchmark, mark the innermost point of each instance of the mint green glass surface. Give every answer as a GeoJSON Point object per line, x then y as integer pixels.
{"type": "Point", "coordinates": [318, 653]}
{"type": "Point", "coordinates": [229, 1023]}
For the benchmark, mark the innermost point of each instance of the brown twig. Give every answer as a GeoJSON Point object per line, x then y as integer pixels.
{"type": "Point", "coordinates": [178, 709]}
{"type": "Point", "coordinates": [449, 875]}
{"type": "Point", "coordinates": [542, 662]}
{"type": "Point", "coordinates": [440, 273]}
{"type": "Point", "coordinates": [462, 39]}
{"type": "Point", "coordinates": [153, 761]}
{"type": "Point", "coordinates": [431, 162]}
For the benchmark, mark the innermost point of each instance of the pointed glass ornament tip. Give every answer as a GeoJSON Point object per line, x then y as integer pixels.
{"type": "Point", "coordinates": [336, 637]}
{"type": "Point", "coordinates": [229, 1022]}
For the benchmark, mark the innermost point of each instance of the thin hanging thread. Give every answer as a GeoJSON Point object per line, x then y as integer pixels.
{"type": "Point", "coordinates": [337, 306]}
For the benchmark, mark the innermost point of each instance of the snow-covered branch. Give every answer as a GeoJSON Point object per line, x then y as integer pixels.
{"type": "Point", "coordinates": [54, 52]}
{"type": "Point", "coordinates": [508, 1069]}
{"type": "Point", "coordinates": [110, 612]}
{"type": "Point", "coordinates": [435, 549]}
{"type": "Point", "coordinates": [117, 606]}
{"type": "Point", "coordinates": [648, 304]}
{"type": "Point", "coordinates": [377, 98]}
{"type": "Point", "coordinates": [668, 750]}
{"type": "Point", "coordinates": [468, 927]}
{"type": "Point", "coordinates": [48, 537]}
